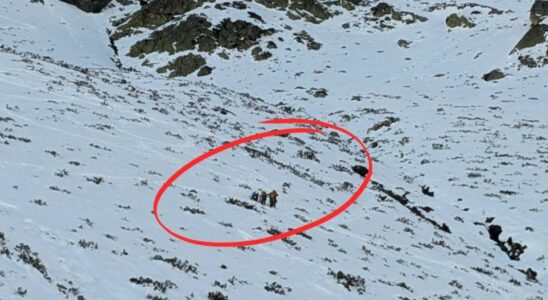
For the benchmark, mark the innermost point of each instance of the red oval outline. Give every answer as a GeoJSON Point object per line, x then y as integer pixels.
{"type": "Point", "coordinates": [258, 136]}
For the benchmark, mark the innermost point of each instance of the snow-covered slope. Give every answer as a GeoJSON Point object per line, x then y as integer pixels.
{"type": "Point", "coordinates": [57, 30]}
{"type": "Point", "coordinates": [85, 147]}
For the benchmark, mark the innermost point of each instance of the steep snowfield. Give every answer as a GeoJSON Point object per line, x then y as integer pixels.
{"type": "Point", "coordinates": [85, 148]}
{"type": "Point", "coordinates": [57, 30]}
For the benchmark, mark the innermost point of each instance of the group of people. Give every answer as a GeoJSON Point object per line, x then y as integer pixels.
{"type": "Point", "coordinates": [261, 197]}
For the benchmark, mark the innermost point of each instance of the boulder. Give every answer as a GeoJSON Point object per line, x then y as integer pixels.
{"type": "Point", "coordinates": [494, 232]}
{"type": "Point", "coordinates": [493, 75]}
{"type": "Point", "coordinates": [454, 20]}
{"type": "Point", "coordinates": [382, 9]}
{"type": "Point", "coordinates": [533, 37]}
{"type": "Point", "coordinates": [361, 170]}
{"type": "Point", "coordinates": [184, 65]}
{"type": "Point", "coordinates": [539, 11]}
{"type": "Point", "coordinates": [92, 6]}
{"type": "Point", "coordinates": [205, 70]}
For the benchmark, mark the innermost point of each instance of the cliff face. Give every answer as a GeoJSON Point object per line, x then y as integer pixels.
{"type": "Point", "coordinates": [93, 6]}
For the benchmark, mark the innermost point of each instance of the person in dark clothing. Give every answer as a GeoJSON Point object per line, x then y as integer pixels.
{"type": "Point", "coordinates": [255, 196]}
{"type": "Point", "coordinates": [262, 197]}
{"type": "Point", "coordinates": [273, 197]}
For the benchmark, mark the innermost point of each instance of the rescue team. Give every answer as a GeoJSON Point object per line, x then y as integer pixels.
{"type": "Point", "coordinates": [261, 197]}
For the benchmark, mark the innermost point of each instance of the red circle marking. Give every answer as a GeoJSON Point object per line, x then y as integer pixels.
{"type": "Point", "coordinates": [259, 136]}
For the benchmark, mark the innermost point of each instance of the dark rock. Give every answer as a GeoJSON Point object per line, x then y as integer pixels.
{"type": "Point", "coordinates": [539, 11]}
{"type": "Point", "coordinates": [361, 170]}
{"type": "Point", "coordinates": [304, 38]}
{"type": "Point", "coordinates": [238, 34]}
{"type": "Point", "coordinates": [382, 9]}
{"type": "Point", "coordinates": [320, 93]}
{"type": "Point", "coordinates": [313, 7]}
{"type": "Point", "coordinates": [259, 54]}
{"type": "Point", "coordinates": [426, 208]}
{"type": "Point", "coordinates": [271, 45]}
{"type": "Point", "coordinates": [223, 55]}
{"type": "Point", "coordinates": [445, 228]}
{"type": "Point", "coordinates": [533, 37]}
{"type": "Point", "coordinates": [93, 6]}
{"type": "Point", "coordinates": [311, 10]}
{"type": "Point", "coordinates": [183, 65]}
{"type": "Point", "coordinates": [494, 232]}
{"type": "Point", "coordinates": [155, 14]}
{"type": "Point", "coordinates": [403, 43]}
{"type": "Point", "coordinates": [426, 190]}
{"type": "Point", "coordinates": [516, 250]}
{"type": "Point", "coordinates": [197, 31]}
{"type": "Point", "coordinates": [278, 4]}
{"type": "Point", "coordinates": [216, 296]}
{"type": "Point", "coordinates": [493, 75]}
{"type": "Point", "coordinates": [528, 61]}
{"type": "Point", "coordinates": [184, 36]}
{"type": "Point", "coordinates": [205, 70]}
{"type": "Point", "coordinates": [531, 275]}
{"type": "Point", "coordinates": [239, 5]}
{"type": "Point", "coordinates": [454, 20]}
{"type": "Point", "coordinates": [256, 16]}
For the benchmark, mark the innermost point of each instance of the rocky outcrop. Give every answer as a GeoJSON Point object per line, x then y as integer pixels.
{"type": "Point", "coordinates": [184, 65]}
{"type": "Point", "coordinates": [361, 170]}
{"type": "Point", "coordinates": [382, 9]}
{"type": "Point", "coordinates": [311, 10]}
{"type": "Point", "coordinates": [539, 11]}
{"type": "Point", "coordinates": [493, 75]}
{"type": "Point", "coordinates": [155, 14]}
{"type": "Point", "coordinates": [384, 15]}
{"type": "Point", "coordinates": [536, 35]}
{"type": "Point", "coordinates": [259, 54]}
{"type": "Point", "coordinates": [192, 32]}
{"type": "Point", "coordinates": [454, 20]}
{"type": "Point", "coordinates": [93, 6]}
{"type": "Point", "coordinates": [533, 37]}
{"type": "Point", "coordinates": [197, 32]}
{"type": "Point", "coordinates": [238, 34]}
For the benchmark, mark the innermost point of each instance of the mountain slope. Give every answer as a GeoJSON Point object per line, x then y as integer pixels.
{"type": "Point", "coordinates": [85, 146]}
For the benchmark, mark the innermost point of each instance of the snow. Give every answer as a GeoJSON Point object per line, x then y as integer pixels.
{"type": "Point", "coordinates": [133, 129]}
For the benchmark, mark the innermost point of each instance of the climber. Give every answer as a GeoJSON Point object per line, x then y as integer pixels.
{"type": "Point", "coordinates": [262, 197]}
{"type": "Point", "coordinates": [273, 197]}
{"type": "Point", "coordinates": [255, 196]}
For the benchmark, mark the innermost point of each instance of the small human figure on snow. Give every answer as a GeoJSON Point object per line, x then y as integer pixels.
{"type": "Point", "coordinates": [262, 197]}
{"type": "Point", "coordinates": [273, 197]}
{"type": "Point", "coordinates": [255, 196]}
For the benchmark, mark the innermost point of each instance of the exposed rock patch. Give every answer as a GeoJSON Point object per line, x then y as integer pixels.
{"type": "Point", "coordinates": [384, 15]}
{"type": "Point", "coordinates": [512, 249]}
{"type": "Point", "coordinates": [197, 32]}
{"type": "Point", "coordinates": [536, 35]}
{"type": "Point", "coordinates": [539, 11]}
{"type": "Point", "coordinates": [454, 20]}
{"type": "Point", "coordinates": [493, 75]}
{"type": "Point", "coordinates": [259, 54]}
{"type": "Point", "coordinates": [404, 43]}
{"type": "Point", "coordinates": [317, 92]}
{"type": "Point", "coordinates": [184, 65]}
{"type": "Point", "coordinates": [204, 71]}
{"type": "Point", "coordinates": [309, 10]}
{"type": "Point", "coordinates": [239, 34]}
{"type": "Point", "coordinates": [155, 14]}
{"type": "Point", "coordinates": [304, 38]}
{"type": "Point", "coordinates": [445, 5]}
{"type": "Point", "coordinates": [93, 6]}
